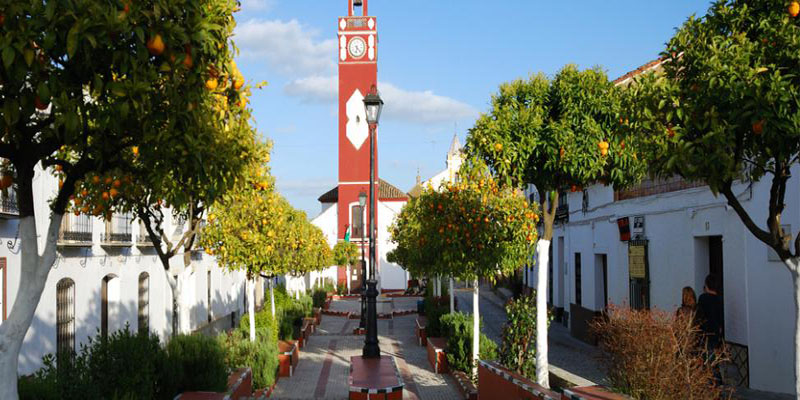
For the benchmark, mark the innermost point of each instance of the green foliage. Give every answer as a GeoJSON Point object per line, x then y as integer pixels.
{"type": "Point", "coordinates": [260, 356]}
{"type": "Point", "coordinates": [253, 228]}
{"type": "Point", "coordinates": [549, 132]}
{"type": "Point", "coordinates": [519, 336]}
{"type": "Point", "coordinates": [435, 308]}
{"type": "Point", "coordinates": [319, 296]}
{"type": "Point", "coordinates": [266, 328]}
{"type": "Point", "coordinates": [457, 327]}
{"type": "Point", "coordinates": [345, 253]}
{"type": "Point", "coordinates": [201, 361]}
{"type": "Point", "coordinates": [103, 369]}
{"type": "Point", "coordinates": [490, 228]}
{"type": "Point", "coordinates": [725, 105]}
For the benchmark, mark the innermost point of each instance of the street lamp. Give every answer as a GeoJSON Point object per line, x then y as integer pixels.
{"type": "Point", "coordinates": [373, 105]}
{"type": "Point", "coordinates": [362, 325]}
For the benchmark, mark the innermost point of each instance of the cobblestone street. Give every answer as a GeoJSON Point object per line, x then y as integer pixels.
{"type": "Point", "coordinates": [325, 361]}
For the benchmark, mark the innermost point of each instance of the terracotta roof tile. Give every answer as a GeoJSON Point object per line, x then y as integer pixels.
{"type": "Point", "coordinates": [650, 66]}
{"type": "Point", "coordinates": [385, 191]}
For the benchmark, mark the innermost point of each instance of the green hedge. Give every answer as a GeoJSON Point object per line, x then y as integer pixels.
{"type": "Point", "coordinates": [128, 365]}
{"type": "Point", "coordinates": [201, 363]}
{"type": "Point", "coordinates": [434, 310]}
{"type": "Point", "coordinates": [261, 356]}
{"type": "Point", "coordinates": [457, 327]}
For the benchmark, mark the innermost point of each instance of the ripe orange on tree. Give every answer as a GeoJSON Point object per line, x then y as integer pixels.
{"type": "Point", "coordinates": [758, 127]}
{"type": "Point", "coordinates": [211, 83]}
{"type": "Point", "coordinates": [155, 45]}
{"type": "Point", "coordinates": [794, 9]}
{"type": "Point", "coordinates": [498, 146]}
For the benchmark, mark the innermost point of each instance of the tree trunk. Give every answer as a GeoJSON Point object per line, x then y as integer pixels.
{"type": "Point", "coordinates": [452, 303]}
{"type": "Point", "coordinates": [176, 288]}
{"type": "Point", "coordinates": [251, 308]}
{"type": "Point", "coordinates": [33, 277]}
{"type": "Point", "coordinates": [272, 296]}
{"type": "Point", "coordinates": [542, 365]}
{"type": "Point", "coordinates": [476, 327]}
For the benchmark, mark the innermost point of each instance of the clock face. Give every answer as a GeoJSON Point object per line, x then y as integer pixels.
{"type": "Point", "coordinates": [357, 47]}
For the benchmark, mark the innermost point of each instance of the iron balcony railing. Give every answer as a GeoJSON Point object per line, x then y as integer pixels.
{"type": "Point", "coordinates": [143, 239]}
{"type": "Point", "coordinates": [117, 238]}
{"type": "Point", "coordinates": [77, 236]}
{"type": "Point", "coordinates": [562, 213]}
{"type": "Point", "coordinates": [8, 204]}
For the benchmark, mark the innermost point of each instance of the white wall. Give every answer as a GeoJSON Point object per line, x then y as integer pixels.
{"type": "Point", "coordinates": [759, 308]}
{"type": "Point", "coordinates": [87, 266]}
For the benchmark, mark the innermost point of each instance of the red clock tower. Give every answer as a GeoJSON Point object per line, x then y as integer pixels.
{"type": "Point", "coordinates": [358, 72]}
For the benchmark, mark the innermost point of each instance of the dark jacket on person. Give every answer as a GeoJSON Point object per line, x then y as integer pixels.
{"type": "Point", "coordinates": [710, 318]}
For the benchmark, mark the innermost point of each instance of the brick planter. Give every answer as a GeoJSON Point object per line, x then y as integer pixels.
{"type": "Point", "coordinates": [240, 384]}
{"type": "Point", "coordinates": [592, 393]}
{"type": "Point", "coordinates": [288, 356]}
{"type": "Point", "coordinates": [317, 316]}
{"type": "Point", "coordinates": [436, 355]}
{"type": "Point", "coordinates": [494, 378]}
{"type": "Point", "coordinates": [465, 385]}
{"type": "Point", "coordinates": [419, 331]}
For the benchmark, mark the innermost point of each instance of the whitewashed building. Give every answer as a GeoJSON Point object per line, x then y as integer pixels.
{"type": "Point", "coordinates": [106, 275]}
{"type": "Point", "coordinates": [680, 233]}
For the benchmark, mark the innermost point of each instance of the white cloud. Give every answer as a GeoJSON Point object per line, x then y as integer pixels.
{"type": "Point", "coordinates": [314, 89]}
{"type": "Point", "coordinates": [422, 107]}
{"type": "Point", "coordinates": [288, 47]}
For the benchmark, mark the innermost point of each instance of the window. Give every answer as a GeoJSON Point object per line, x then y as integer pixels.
{"type": "Point", "coordinates": [109, 297]}
{"type": "Point", "coordinates": [118, 229]}
{"type": "Point", "coordinates": [65, 315]}
{"type": "Point", "coordinates": [578, 278]}
{"type": "Point", "coordinates": [3, 292]}
{"type": "Point", "coordinates": [77, 229]}
{"type": "Point", "coordinates": [208, 294]}
{"type": "Point", "coordinates": [356, 223]}
{"type": "Point", "coordinates": [144, 302]}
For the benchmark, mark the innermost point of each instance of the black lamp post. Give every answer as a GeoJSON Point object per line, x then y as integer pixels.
{"type": "Point", "coordinates": [362, 201]}
{"type": "Point", "coordinates": [373, 105]}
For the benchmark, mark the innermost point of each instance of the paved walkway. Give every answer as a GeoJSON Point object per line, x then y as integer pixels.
{"type": "Point", "coordinates": [565, 353]}
{"type": "Point", "coordinates": [325, 361]}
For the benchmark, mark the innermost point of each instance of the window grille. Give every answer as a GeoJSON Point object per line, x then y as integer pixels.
{"type": "Point", "coordinates": [144, 302]}
{"type": "Point", "coordinates": [65, 315]}
{"type": "Point", "coordinates": [356, 223]}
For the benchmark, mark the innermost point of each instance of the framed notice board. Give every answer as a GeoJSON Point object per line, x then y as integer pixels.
{"type": "Point", "coordinates": [639, 274]}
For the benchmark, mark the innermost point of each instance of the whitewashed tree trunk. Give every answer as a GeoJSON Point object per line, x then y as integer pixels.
{"type": "Point", "coordinates": [251, 308]}
{"type": "Point", "coordinates": [794, 267]}
{"type": "Point", "coordinates": [272, 296]}
{"type": "Point", "coordinates": [452, 295]}
{"type": "Point", "coordinates": [542, 366]}
{"type": "Point", "coordinates": [476, 327]}
{"type": "Point", "coordinates": [33, 277]}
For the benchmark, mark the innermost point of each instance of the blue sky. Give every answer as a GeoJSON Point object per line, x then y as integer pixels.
{"type": "Point", "coordinates": [439, 63]}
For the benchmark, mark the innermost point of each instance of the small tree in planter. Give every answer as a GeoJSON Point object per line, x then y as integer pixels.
{"type": "Point", "coordinates": [345, 253]}
{"type": "Point", "coordinates": [518, 351]}
{"type": "Point", "coordinates": [554, 133]}
{"type": "Point", "coordinates": [490, 230]}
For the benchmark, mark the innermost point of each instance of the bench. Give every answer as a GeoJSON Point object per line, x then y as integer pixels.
{"type": "Point", "coordinates": [436, 355]}
{"type": "Point", "coordinates": [288, 357]}
{"type": "Point", "coordinates": [419, 331]}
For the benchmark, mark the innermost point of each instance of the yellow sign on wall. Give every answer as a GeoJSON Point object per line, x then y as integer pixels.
{"type": "Point", "coordinates": [636, 261]}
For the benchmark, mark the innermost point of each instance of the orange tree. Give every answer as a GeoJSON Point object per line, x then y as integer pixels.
{"type": "Point", "coordinates": [176, 175]}
{"type": "Point", "coordinates": [725, 110]}
{"type": "Point", "coordinates": [477, 227]}
{"type": "Point", "coordinates": [253, 229]}
{"type": "Point", "coordinates": [345, 253]}
{"type": "Point", "coordinates": [554, 133]}
{"type": "Point", "coordinates": [81, 82]}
